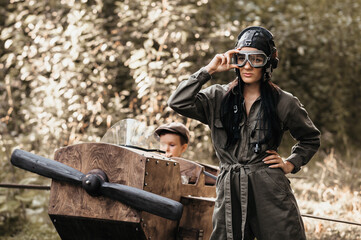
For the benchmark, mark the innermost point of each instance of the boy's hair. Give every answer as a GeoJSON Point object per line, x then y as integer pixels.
{"type": "Point", "coordinates": [174, 128]}
{"type": "Point", "coordinates": [182, 139]}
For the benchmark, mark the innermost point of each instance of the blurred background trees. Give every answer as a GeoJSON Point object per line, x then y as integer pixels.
{"type": "Point", "coordinates": [70, 69]}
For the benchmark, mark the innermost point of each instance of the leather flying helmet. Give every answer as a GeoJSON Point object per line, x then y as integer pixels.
{"type": "Point", "coordinates": [262, 39]}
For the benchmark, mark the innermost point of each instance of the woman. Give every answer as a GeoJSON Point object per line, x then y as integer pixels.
{"type": "Point", "coordinates": [247, 118]}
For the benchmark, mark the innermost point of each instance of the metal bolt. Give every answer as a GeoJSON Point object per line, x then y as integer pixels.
{"type": "Point", "coordinates": [147, 159]}
{"type": "Point", "coordinates": [144, 225]}
{"type": "Point", "coordinates": [200, 234]}
{"type": "Point", "coordinates": [167, 163]}
{"type": "Point", "coordinates": [175, 164]}
{"type": "Point", "coordinates": [145, 184]}
{"type": "Point", "coordinates": [146, 173]}
{"type": "Point", "coordinates": [136, 229]}
{"type": "Point", "coordinates": [157, 162]}
{"type": "Point", "coordinates": [54, 220]}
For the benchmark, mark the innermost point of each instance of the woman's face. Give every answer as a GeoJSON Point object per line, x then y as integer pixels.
{"type": "Point", "coordinates": [248, 73]}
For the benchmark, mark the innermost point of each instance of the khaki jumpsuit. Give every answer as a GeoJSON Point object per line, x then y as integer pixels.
{"type": "Point", "coordinates": [252, 199]}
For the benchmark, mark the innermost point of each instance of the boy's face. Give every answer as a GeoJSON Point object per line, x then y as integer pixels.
{"type": "Point", "coordinates": [171, 144]}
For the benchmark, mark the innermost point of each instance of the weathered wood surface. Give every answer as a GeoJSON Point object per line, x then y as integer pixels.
{"type": "Point", "coordinates": [197, 180]}
{"type": "Point", "coordinates": [192, 170]}
{"type": "Point", "coordinates": [197, 215]}
{"type": "Point", "coordinates": [189, 169]}
{"type": "Point", "coordinates": [121, 166]}
{"type": "Point", "coordinates": [161, 177]}
{"type": "Point", "coordinates": [74, 211]}
{"type": "Point", "coordinates": [212, 170]}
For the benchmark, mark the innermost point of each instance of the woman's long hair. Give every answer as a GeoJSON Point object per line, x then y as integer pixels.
{"type": "Point", "coordinates": [269, 100]}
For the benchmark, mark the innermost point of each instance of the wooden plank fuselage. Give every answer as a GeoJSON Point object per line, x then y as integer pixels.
{"type": "Point", "coordinates": [77, 215]}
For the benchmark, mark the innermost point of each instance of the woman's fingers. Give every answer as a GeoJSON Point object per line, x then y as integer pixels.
{"type": "Point", "coordinates": [232, 51]}
{"type": "Point", "coordinates": [272, 152]}
{"type": "Point", "coordinates": [274, 162]}
{"type": "Point", "coordinates": [270, 157]}
{"type": "Point", "coordinates": [273, 159]}
{"type": "Point", "coordinates": [229, 55]}
{"type": "Point", "coordinates": [222, 62]}
{"type": "Point", "coordinates": [279, 165]}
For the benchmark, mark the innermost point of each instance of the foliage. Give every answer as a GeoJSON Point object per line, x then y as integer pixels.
{"type": "Point", "coordinates": [324, 190]}
{"type": "Point", "coordinates": [70, 69]}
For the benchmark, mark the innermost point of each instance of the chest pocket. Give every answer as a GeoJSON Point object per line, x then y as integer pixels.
{"type": "Point", "coordinates": [219, 136]}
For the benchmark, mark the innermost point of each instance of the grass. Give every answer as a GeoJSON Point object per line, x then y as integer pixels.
{"type": "Point", "coordinates": [331, 189]}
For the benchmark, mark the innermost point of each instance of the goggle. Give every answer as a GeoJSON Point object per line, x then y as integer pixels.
{"type": "Point", "coordinates": [255, 59]}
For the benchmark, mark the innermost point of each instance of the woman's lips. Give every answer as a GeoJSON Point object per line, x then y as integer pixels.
{"type": "Point", "coordinates": [247, 74]}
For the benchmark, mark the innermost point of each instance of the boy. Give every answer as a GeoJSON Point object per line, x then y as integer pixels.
{"type": "Point", "coordinates": [174, 138]}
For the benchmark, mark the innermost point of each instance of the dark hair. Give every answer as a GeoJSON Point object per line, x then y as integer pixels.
{"type": "Point", "coordinates": [269, 100]}
{"type": "Point", "coordinates": [182, 138]}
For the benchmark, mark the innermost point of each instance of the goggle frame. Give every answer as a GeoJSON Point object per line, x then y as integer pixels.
{"type": "Point", "coordinates": [247, 54]}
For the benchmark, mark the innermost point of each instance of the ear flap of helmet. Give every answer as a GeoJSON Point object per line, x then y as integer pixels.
{"type": "Point", "coordinates": [274, 58]}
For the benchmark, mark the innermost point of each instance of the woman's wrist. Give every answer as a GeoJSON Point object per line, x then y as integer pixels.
{"type": "Point", "coordinates": [288, 167]}
{"type": "Point", "coordinates": [208, 69]}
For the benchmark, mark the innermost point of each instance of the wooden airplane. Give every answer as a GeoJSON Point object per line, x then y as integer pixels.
{"type": "Point", "coordinates": [108, 191]}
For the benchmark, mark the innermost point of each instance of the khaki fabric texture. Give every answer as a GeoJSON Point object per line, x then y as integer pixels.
{"type": "Point", "coordinates": [252, 199]}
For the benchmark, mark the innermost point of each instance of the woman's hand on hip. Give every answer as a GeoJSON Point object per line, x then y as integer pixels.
{"type": "Point", "coordinates": [275, 161]}
{"type": "Point", "coordinates": [221, 62]}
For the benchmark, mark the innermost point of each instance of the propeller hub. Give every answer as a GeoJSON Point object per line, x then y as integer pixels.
{"type": "Point", "coordinates": [93, 180]}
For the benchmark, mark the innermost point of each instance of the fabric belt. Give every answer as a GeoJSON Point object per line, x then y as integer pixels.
{"type": "Point", "coordinates": [245, 170]}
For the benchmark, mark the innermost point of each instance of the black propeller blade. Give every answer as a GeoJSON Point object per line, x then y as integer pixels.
{"type": "Point", "coordinates": [45, 167]}
{"type": "Point", "coordinates": [143, 200]}
{"type": "Point", "coordinates": [95, 183]}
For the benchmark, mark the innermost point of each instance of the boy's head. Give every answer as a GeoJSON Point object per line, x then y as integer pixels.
{"type": "Point", "coordinates": [174, 138]}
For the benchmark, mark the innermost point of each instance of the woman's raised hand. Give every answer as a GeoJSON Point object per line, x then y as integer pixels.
{"type": "Point", "coordinates": [222, 62]}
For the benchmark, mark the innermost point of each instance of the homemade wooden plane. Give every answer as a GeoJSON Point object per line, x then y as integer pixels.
{"type": "Point", "coordinates": [107, 191]}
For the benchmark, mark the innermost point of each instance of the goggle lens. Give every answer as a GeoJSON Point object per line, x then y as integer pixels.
{"type": "Point", "coordinates": [257, 60]}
